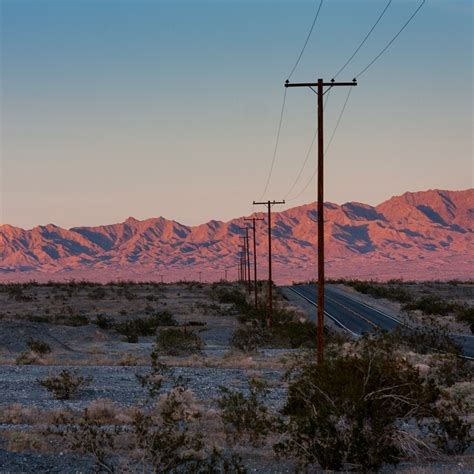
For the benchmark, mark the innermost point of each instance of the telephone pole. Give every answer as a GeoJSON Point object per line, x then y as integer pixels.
{"type": "Point", "coordinates": [269, 204]}
{"type": "Point", "coordinates": [320, 85]}
{"type": "Point", "coordinates": [242, 264]}
{"type": "Point", "coordinates": [254, 219]}
{"type": "Point", "coordinates": [225, 273]}
{"type": "Point", "coordinates": [247, 253]}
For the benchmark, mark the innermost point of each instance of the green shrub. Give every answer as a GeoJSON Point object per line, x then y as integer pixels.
{"type": "Point", "coordinates": [347, 409]}
{"type": "Point", "coordinates": [246, 417]}
{"type": "Point", "coordinates": [430, 304]}
{"type": "Point", "coordinates": [65, 384]}
{"type": "Point", "coordinates": [176, 342]}
{"type": "Point", "coordinates": [133, 328]}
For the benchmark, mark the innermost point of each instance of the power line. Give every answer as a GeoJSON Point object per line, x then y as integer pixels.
{"type": "Point", "coordinates": [392, 40]}
{"type": "Point", "coordinates": [327, 146]}
{"type": "Point", "coordinates": [363, 41]}
{"type": "Point", "coordinates": [307, 39]}
{"type": "Point", "coordinates": [276, 145]}
{"type": "Point", "coordinates": [307, 156]}
{"type": "Point", "coordinates": [284, 99]}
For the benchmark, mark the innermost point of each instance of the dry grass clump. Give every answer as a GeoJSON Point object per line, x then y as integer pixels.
{"type": "Point", "coordinates": [20, 441]}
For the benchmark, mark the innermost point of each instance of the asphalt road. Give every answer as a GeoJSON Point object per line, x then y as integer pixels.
{"type": "Point", "coordinates": [358, 318]}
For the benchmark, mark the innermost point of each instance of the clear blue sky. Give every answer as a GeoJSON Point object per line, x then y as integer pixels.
{"type": "Point", "coordinates": [113, 108]}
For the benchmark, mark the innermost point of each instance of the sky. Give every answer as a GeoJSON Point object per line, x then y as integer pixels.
{"type": "Point", "coordinates": [146, 108]}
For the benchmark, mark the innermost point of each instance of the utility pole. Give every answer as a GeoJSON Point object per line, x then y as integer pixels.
{"type": "Point", "coordinates": [225, 273]}
{"type": "Point", "coordinates": [242, 264]}
{"type": "Point", "coordinates": [200, 275]}
{"type": "Point", "coordinates": [161, 278]}
{"type": "Point", "coordinates": [269, 204]}
{"type": "Point", "coordinates": [320, 92]}
{"type": "Point", "coordinates": [247, 265]}
{"type": "Point", "coordinates": [254, 219]}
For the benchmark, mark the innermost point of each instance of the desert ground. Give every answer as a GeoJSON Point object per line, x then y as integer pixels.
{"type": "Point", "coordinates": [135, 348]}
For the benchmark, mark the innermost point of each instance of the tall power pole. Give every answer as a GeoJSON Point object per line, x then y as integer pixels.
{"type": "Point", "coordinates": [247, 257]}
{"type": "Point", "coordinates": [320, 85]}
{"type": "Point", "coordinates": [254, 219]}
{"type": "Point", "coordinates": [269, 205]}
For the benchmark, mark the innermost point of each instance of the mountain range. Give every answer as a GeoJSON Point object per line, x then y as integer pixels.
{"type": "Point", "coordinates": [420, 235]}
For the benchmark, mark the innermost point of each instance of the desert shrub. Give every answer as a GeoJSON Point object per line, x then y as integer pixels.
{"type": "Point", "coordinates": [166, 437]}
{"type": "Point", "coordinates": [391, 291]}
{"type": "Point", "coordinates": [176, 342]}
{"type": "Point", "coordinates": [87, 435]}
{"type": "Point", "coordinates": [450, 431]}
{"type": "Point", "coordinates": [64, 385]}
{"type": "Point", "coordinates": [466, 315]}
{"type": "Point", "coordinates": [27, 358]}
{"type": "Point", "coordinates": [133, 328]}
{"type": "Point", "coordinates": [287, 332]}
{"type": "Point", "coordinates": [449, 369]}
{"type": "Point", "coordinates": [36, 318]}
{"type": "Point", "coordinates": [430, 304]}
{"type": "Point", "coordinates": [428, 339]}
{"type": "Point", "coordinates": [347, 408]}
{"type": "Point", "coordinates": [153, 380]}
{"type": "Point", "coordinates": [37, 346]}
{"type": "Point", "coordinates": [246, 417]}
{"type": "Point", "coordinates": [98, 293]}
{"type": "Point", "coordinates": [103, 321]}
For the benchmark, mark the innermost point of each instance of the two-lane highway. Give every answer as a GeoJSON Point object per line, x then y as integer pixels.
{"type": "Point", "coordinates": [358, 318]}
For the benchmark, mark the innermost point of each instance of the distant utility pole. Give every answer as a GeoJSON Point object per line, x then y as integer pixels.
{"type": "Point", "coordinates": [269, 205]}
{"type": "Point", "coordinates": [225, 273]}
{"type": "Point", "coordinates": [242, 263]}
{"type": "Point", "coordinates": [161, 278]}
{"type": "Point", "coordinates": [320, 92]}
{"type": "Point", "coordinates": [254, 219]}
{"type": "Point", "coordinates": [200, 276]}
{"type": "Point", "coordinates": [246, 240]}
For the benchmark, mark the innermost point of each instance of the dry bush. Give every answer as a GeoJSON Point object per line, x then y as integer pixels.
{"type": "Point", "coordinates": [350, 409]}
{"type": "Point", "coordinates": [29, 358]}
{"type": "Point", "coordinates": [17, 414]}
{"type": "Point", "coordinates": [65, 384]}
{"type": "Point", "coordinates": [128, 360]}
{"type": "Point", "coordinates": [103, 410]}
{"type": "Point", "coordinates": [20, 441]}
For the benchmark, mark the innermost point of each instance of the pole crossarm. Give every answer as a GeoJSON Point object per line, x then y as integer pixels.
{"type": "Point", "coordinates": [324, 84]}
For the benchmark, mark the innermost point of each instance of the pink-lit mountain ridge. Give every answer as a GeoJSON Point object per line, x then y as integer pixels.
{"type": "Point", "coordinates": [422, 235]}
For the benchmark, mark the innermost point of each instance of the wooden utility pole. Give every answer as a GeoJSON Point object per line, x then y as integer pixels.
{"type": "Point", "coordinates": [247, 257]}
{"type": "Point", "coordinates": [254, 219]}
{"type": "Point", "coordinates": [269, 204]}
{"type": "Point", "coordinates": [320, 92]}
{"type": "Point", "coordinates": [225, 273]}
{"type": "Point", "coordinates": [242, 264]}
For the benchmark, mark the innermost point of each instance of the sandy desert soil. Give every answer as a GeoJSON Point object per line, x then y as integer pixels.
{"type": "Point", "coordinates": [65, 317]}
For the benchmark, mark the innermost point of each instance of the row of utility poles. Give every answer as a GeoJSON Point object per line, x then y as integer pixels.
{"type": "Point", "coordinates": [244, 273]}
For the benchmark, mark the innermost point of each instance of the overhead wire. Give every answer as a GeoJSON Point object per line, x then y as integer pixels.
{"type": "Point", "coordinates": [277, 140]}
{"type": "Point", "coordinates": [358, 75]}
{"type": "Point", "coordinates": [366, 37]}
{"type": "Point", "coordinates": [307, 40]}
{"type": "Point", "coordinates": [392, 40]}
{"type": "Point", "coordinates": [363, 41]}
{"type": "Point", "coordinates": [276, 145]}
{"type": "Point", "coordinates": [295, 182]}
{"type": "Point", "coordinates": [327, 146]}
